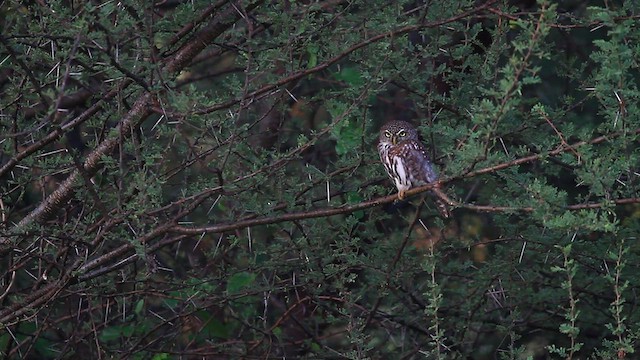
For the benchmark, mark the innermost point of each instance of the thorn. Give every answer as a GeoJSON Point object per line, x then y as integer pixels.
{"type": "Point", "coordinates": [198, 243]}
{"type": "Point", "coordinates": [217, 245]}
{"type": "Point", "coordinates": [157, 122]}
{"type": "Point", "coordinates": [503, 146]}
{"type": "Point", "coordinates": [214, 204]}
{"type": "Point", "coordinates": [524, 245]}
{"type": "Point", "coordinates": [3, 60]}
{"type": "Point", "coordinates": [328, 193]}
{"type": "Point", "coordinates": [606, 266]}
{"type": "Point", "coordinates": [290, 94]}
{"type": "Point", "coordinates": [52, 152]}
{"type": "Point", "coordinates": [617, 96]}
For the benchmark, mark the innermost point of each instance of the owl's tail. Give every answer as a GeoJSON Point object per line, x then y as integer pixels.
{"type": "Point", "coordinates": [443, 207]}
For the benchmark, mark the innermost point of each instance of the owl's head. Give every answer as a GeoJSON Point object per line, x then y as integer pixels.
{"type": "Point", "coordinates": [396, 131]}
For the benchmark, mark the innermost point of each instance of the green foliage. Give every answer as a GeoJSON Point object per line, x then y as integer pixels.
{"type": "Point", "coordinates": [201, 179]}
{"type": "Point", "coordinates": [239, 281]}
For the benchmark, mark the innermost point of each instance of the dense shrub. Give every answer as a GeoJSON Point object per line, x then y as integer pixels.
{"type": "Point", "coordinates": [182, 178]}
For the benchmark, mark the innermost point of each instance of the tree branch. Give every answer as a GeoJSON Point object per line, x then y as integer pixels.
{"type": "Point", "coordinates": [139, 111]}
{"type": "Point", "coordinates": [342, 55]}
{"type": "Point", "coordinates": [87, 270]}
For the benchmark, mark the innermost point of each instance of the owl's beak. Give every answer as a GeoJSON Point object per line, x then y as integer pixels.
{"type": "Point", "coordinates": [394, 139]}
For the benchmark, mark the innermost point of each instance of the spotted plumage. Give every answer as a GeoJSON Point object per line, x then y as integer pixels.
{"type": "Point", "coordinates": [406, 160]}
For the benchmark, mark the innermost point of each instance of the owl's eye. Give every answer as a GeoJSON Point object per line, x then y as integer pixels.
{"type": "Point", "coordinates": [402, 133]}
{"type": "Point", "coordinates": [387, 134]}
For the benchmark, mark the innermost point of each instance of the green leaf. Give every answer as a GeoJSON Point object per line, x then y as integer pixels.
{"type": "Point", "coordinates": [348, 136]}
{"type": "Point", "coordinates": [350, 75]}
{"type": "Point", "coordinates": [116, 332]}
{"type": "Point", "coordinates": [239, 281]}
{"type": "Point", "coordinates": [216, 328]}
{"type": "Point", "coordinates": [312, 53]}
{"type": "Point", "coordinates": [354, 197]}
{"type": "Point", "coordinates": [139, 307]}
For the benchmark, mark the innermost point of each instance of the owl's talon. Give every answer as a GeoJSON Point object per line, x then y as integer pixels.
{"type": "Point", "coordinates": [401, 195]}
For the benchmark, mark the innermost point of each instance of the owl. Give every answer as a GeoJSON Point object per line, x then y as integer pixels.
{"type": "Point", "coordinates": [405, 159]}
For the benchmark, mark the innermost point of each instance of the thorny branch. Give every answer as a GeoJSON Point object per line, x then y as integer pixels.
{"type": "Point", "coordinates": [430, 187]}
{"type": "Point", "coordinates": [140, 110]}
{"type": "Point", "coordinates": [301, 74]}
{"type": "Point", "coordinates": [179, 231]}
